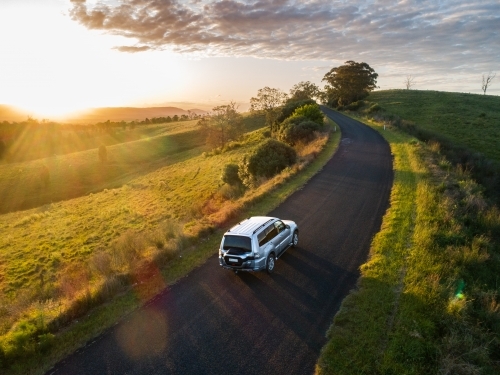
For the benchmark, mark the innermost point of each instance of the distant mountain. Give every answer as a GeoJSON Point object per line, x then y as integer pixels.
{"type": "Point", "coordinates": [94, 115]}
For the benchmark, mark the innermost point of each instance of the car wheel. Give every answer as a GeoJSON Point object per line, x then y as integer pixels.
{"type": "Point", "coordinates": [270, 263]}
{"type": "Point", "coordinates": [295, 238]}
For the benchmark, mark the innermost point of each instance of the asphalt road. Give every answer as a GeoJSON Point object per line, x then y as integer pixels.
{"type": "Point", "coordinates": [217, 322]}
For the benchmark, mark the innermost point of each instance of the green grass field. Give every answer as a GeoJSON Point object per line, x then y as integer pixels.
{"type": "Point", "coordinates": [61, 259]}
{"type": "Point", "coordinates": [469, 120]}
{"type": "Point", "coordinates": [80, 173]}
{"type": "Point", "coordinates": [428, 300]}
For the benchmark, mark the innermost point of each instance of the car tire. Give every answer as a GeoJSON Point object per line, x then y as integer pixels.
{"type": "Point", "coordinates": [270, 263]}
{"type": "Point", "coordinates": [295, 239]}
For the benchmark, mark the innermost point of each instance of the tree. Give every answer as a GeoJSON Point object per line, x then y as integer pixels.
{"type": "Point", "coordinates": [268, 100]}
{"type": "Point", "coordinates": [487, 81]}
{"type": "Point", "coordinates": [224, 124]}
{"type": "Point", "coordinates": [409, 81]}
{"type": "Point", "coordinates": [103, 154]}
{"type": "Point", "coordinates": [303, 91]}
{"type": "Point", "coordinates": [3, 148]}
{"type": "Point", "coordinates": [349, 83]}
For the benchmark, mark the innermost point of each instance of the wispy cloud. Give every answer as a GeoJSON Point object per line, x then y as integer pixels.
{"type": "Point", "coordinates": [435, 35]}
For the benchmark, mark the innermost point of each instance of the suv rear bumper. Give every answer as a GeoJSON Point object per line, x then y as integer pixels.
{"type": "Point", "coordinates": [246, 265]}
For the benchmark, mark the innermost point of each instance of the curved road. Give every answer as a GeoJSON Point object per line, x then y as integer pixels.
{"type": "Point", "coordinates": [216, 322]}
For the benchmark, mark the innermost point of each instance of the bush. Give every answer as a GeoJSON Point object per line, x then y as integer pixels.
{"type": "Point", "coordinates": [354, 106]}
{"type": "Point", "coordinates": [230, 174]}
{"type": "Point", "coordinates": [292, 133]}
{"type": "Point", "coordinates": [295, 120]}
{"type": "Point", "coordinates": [290, 108]}
{"type": "Point", "coordinates": [375, 107]}
{"type": "Point", "coordinates": [311, 112]}
{"type": "Point", "coordinates": [267, 160]}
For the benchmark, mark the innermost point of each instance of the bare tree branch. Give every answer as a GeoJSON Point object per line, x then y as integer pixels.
{"type": "Point", "coordinates": [487, 81]}
{"type": "Point", "coordinates": [409, 81]}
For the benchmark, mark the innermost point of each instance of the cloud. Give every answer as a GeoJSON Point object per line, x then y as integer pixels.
{"type": "Point", "coordinates": [432, 36]}
{"type": "Point", "coordinates": [132, 49]}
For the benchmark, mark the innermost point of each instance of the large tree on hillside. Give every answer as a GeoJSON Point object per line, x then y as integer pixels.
{"type": "Point", "coordinates": [224, 124]}
{"type": "Point", "coordinates": [268, 100]}
{"type": "Point", "coordinates": [349, 82]}
{"type": "Point", "coordinates": [303, 91]}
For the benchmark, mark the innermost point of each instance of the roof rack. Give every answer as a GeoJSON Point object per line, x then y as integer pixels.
{"type": "Point", "coordinates": [262, 225]}
{"type": "Point", "coordinates": [238, 224]}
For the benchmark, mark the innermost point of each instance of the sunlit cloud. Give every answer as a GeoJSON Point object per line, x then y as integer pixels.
{"type": "Point", "coordinates": [431, 36]}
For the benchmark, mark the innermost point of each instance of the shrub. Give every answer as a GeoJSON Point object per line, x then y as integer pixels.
{"type": "Point", "coordinates": [311, 112]}
{"type": "Point", "coordinates": [268, 159]}
{"type": "Point", "coordinates": [294, 133]}
{"type": "Point", "coordinates": [354, 106]}
{"type": "Point", "coordinates": [375, 107]}
{"type": "Point", "coordinates": [230, 174]}
{"type": "Point", "coordinates": [295, 120]}
{"type": "Point", "coordinates": [290, 108]}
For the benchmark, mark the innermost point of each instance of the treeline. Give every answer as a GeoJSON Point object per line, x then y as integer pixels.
{"type": "Point", "coordinates": [33, 139]}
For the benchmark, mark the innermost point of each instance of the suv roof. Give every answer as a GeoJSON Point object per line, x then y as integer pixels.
{"type": "Point", "coordinates": [251, 225]}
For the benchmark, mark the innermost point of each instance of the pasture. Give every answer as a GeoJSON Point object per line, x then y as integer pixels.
{"type": "Point", "coordinates": [469, 120]}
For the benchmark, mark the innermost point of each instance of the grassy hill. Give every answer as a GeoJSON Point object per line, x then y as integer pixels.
{"type": "Point", "coordinates": [79, 173]}
{"type": "Point", "coordinates": [468, 120]}
{"type": "Point", "coordinates": [428, 299]}
{"type": "Point", "coordinates": [9, 113]}
{"type": "Point", "coordinates": [140, 230]}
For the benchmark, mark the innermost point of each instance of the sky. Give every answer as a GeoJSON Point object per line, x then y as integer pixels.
{"type": "Point", "coordinates": [58, 56]}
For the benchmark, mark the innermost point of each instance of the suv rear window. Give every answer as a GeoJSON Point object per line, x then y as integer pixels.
{"type": "Point", "coordinates": [240, 242]}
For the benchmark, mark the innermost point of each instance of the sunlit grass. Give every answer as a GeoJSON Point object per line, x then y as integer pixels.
{"type": "Point", "coordinates": [63, 258]}
{"type": "Point", "coordinates": [427, 299]}
{"type": "Point", "coordinates": [469, 120]}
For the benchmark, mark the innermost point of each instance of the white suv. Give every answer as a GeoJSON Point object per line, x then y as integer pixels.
{"type": "Point", "coordinates": [255, 243]}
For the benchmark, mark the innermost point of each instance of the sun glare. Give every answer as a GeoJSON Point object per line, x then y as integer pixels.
{"type": "Point", "coordinates": [53, 67]}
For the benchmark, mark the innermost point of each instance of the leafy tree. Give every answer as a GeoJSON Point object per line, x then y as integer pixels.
{"type": "Point", "coordinates": [268, 159]}
{"type": "Point", "coordinates": [223, 125]}
{"type": "Point", "coordinates": [310, 111]}
{"type": "Point", "coordinates": [268, 100]}
{"type": "Point", "coordinates": [349, 83]}
{"type": "Point", "coordinates": [303, 91]}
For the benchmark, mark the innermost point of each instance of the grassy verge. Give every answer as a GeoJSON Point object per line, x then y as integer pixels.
{"type": "Point", "coordinates": [181, 192]}
{"type": "Point", "coordinates": [427, 300]}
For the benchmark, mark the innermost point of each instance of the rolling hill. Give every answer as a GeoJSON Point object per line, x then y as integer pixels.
{"type": "Point", "coordinates": [94, 115]}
